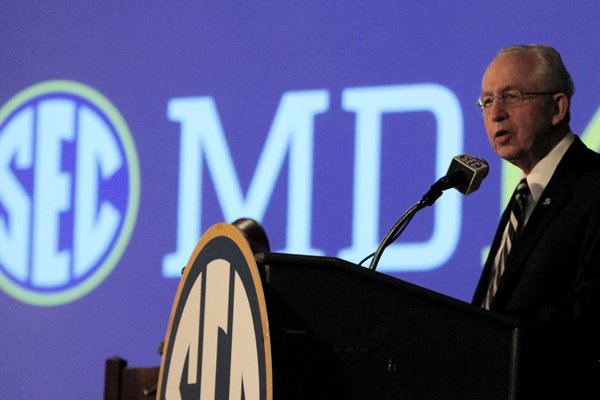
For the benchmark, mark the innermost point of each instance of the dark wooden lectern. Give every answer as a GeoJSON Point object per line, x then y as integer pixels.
{"type": "Point", "coordinates": [328, 330]}
{"type": "Point", "coordinates": [339, 331]}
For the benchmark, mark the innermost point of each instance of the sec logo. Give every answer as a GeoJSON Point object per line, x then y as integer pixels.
{"type": "Point", "coordinates": [69, 191]}
{"type": "Point", "coordinates": [218, 343]}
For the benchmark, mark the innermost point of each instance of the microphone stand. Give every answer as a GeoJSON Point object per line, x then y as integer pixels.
{"type": "Point", "coordinates": [428, 199]}
{"type": "Point", "coordinates": [395, 233]}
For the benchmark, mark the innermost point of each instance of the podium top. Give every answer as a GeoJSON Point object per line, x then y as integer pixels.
{"type": "Point", "coordinates": [276, 260]}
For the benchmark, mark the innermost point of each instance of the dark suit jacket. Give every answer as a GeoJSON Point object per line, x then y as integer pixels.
{"type": "Point", "coordinates": [552, 281]}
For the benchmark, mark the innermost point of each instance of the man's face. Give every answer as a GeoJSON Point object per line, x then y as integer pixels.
{"type": "Point", "coordinates": [521, 133]}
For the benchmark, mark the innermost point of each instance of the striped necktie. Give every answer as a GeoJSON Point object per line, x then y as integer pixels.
{"type": "Point", "coordinates": [513, 227]}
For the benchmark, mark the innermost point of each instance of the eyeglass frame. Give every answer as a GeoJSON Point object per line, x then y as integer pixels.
{"type": "Point", "coordinates": [514, 94]}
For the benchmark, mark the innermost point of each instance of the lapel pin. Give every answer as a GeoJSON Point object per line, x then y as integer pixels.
{"type": "Point", "coordinates": [547, 201]}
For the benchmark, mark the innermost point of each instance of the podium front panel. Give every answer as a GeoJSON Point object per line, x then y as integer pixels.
{"type": "Point", "coordinates": [358, 334]}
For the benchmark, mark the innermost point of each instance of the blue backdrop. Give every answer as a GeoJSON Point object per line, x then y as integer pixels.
{"type": "Point", "coordinates": [128, 128]}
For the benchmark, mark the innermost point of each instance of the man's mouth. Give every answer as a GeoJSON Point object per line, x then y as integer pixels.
{"type": "Point", "coordinates": [502, 136]}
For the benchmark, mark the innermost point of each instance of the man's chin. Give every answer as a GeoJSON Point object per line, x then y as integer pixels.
{"type": "Point", "coordinates": [506, 152]}
{"type": "Point", "coordinates": [509, 155]}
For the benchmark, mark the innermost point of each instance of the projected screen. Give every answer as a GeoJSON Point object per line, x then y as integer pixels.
{"type": "Point", "coordinates": [129, 128]}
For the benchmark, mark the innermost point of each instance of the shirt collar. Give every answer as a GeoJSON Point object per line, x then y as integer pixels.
{"type": "Point", "coordinates": [540, 175]}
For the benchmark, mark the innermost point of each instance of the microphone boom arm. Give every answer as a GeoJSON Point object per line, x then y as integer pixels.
{"type": "Point", "coordinates": [465, 174]}
{"type": "Point", "coordinates": [397, 230]}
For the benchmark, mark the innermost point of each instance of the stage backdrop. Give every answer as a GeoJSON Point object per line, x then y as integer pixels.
{"type": "Point", "coordinates": [128, 128]}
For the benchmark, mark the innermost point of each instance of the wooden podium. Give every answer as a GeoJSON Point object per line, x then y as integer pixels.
{"type": "Point", "coordinates": [325, 329]}
{"type": "Point", "coordinates": [340, 331]}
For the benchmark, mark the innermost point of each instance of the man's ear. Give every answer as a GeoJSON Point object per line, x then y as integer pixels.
{"type": "Point", "coordinates": [561, 108]}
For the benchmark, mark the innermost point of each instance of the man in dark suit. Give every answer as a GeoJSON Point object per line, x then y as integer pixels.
{"type": "Point", "coordinates": [544, 263]}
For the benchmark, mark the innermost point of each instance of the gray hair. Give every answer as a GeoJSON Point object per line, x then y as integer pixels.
{"type": "Point", "coordinates": [551, 69]}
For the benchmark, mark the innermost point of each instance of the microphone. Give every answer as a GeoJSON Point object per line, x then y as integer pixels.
{"type": "Point", "coordinates": [475, 170]}
{"type": "Point", "coordinates": [465, 174]}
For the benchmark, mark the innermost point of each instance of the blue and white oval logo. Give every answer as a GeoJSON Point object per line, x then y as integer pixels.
{"type": "Point", "coordinates": [69, 191]}
{"type": "Point", "coordinates": [218, 343]}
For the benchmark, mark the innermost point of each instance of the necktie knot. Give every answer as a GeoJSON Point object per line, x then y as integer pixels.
{"type": "Point", "coordinates": [523, 188]}
{"type": "Point", "coordinates": [520, 205]}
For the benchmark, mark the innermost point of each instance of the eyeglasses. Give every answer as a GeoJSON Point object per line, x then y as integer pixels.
{"type": "Point", "coordinates": [509, 98]}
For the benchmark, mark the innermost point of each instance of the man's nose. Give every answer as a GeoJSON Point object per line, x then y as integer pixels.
{"type": "Point", "coordinates": [497, 111]}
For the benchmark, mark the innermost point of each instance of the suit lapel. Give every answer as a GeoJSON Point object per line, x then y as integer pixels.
{"type": "Point", "coordinates": [554, 198]}
{"type": "Point", "coordinates": [484, 280]}
{"type": "Point", "coordinates": [542, 215]}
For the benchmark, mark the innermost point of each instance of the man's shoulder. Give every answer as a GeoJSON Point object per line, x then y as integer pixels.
{"type": "Point", "coordinates": [579, 170]}
{"type": "Point", "coordinates": [580, 154]}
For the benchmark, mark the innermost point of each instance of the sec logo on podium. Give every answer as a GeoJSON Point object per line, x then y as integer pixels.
{"type": "Point", "coordinates": [218, 344]}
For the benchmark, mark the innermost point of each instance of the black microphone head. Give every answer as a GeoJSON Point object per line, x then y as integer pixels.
{"type": "Point", "coordinates": [474, 170]}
